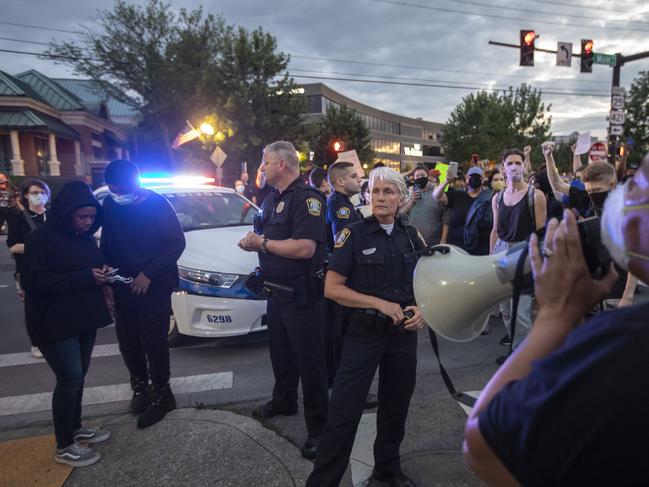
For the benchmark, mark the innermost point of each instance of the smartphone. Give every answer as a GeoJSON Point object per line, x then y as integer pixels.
{"type": "Point", "coordinates": [111, 272]}
{"type": "Point", "coordinates": [452, 170]}
{"type": "Point", "coordinates": [244, 167]}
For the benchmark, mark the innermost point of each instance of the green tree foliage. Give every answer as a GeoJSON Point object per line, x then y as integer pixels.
{"type": "Point", "coordinates": [487, 123]}
{"type": "Point", "coordinates": [174, 67]}
{"type": "Point", "coordinates": [636, 124]}
{"type": "Point", "coordinates": [344, 125]}
{"type": "Point", "coordinates": [562, 155]}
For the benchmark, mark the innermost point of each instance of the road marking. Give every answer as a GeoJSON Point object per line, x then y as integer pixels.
{"type": "Point", "coordinates": [475, 395]}
{"type": "Point", "coordinates": [4, 286]}
{"type": "Point", "coordinates": [117, 392]}
{"type": "Point", "coordinates": [362, 457]}
{"type": "Point", "coordinates": [26, 358]}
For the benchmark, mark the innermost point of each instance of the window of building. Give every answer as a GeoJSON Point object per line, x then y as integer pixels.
{"type": "Point", "coordinates": [42, 155]}
{"type": "Point", "coordinates": [411, 131]}
{"type": "Point", "coordinates": [313, 104]}
{"type": "Point", "coordinates": [5, 153]}
{"type": "Point", "coordinates": [386, 146]}
{"type": "Point", "coordinates": [392, 164]}
{"type": "Point", "coordinates": [432, 150]}
{"type": "Point", "coordinates": [98, 153]}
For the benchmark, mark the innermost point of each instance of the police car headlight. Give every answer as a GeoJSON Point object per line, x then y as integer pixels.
{"type": "Point", "coordinates": [218, 279]}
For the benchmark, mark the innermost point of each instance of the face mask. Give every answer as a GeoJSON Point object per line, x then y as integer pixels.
{"type": "Point", "coordinates": [498, 185]}
{"type": "Point", "coordinates": [613, 231]}
{"type": "Point", "coordinates": [421, 182]}
{"type": "Point", "coordinates": [514, 172]}
{"type": "Point", "coordinates": [598, 200]}
{"type": "Point", "coordinates": [475, 181]}
{"type": "Point", "coordinates": [240, 189]}
{"type": "Point", "coordinates": [37, 199]}
{"type": "Point", "coordinates": [124, 199]}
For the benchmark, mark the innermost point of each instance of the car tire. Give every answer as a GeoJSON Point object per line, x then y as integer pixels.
{"type": "Point", "coordinates": [174, 337]}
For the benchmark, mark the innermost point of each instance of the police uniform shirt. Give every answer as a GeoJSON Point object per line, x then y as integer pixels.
{"type": "Point", "coordinates": [340, 214]}
{"type": "Point", "coordinates": [376, 263]}
{"type": "Point", "coordinates": [296, 213]}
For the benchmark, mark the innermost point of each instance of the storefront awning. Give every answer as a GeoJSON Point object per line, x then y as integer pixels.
{"type": "Point", "coordinates": [28, 120]}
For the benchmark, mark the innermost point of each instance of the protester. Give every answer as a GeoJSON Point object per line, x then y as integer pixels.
{"type": "Point", "coordinates": [459, 203]}
{"type": "Point", "coordinates": [262, 190]}
{"type": "Point", "coordinates": [424, 212]}
{"type": "Point", "coordinates": [7, 200]}
{"type": "Point", "coordinates": [572, 387]}
{"type": "Point", "coordinates": [29, 215]}
{"type": "Point", "coordinates": [370, 274]}
{"type": "Point", "coordinates": [496, 181]}
{"type": "Point", "coordinates": [318, 180]}
{"type": "Point", "coordinates": [365, 193]}
{"type": "Point", "coordinates": [248, 192]}
{"type": "Point", "coordinates": [518, 212]}
{"type": "Point", "coordinates": [142, 238]}
{"type": "Point", "coordinates": [290, 238]}
{"type": "Point", "coordinates": [554, 208]}
{"type": "Point", "coordinates": [62, 274]}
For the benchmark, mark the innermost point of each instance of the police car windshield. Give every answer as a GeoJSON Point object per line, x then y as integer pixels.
{"type": "Point", "coordinates": [211, 209]}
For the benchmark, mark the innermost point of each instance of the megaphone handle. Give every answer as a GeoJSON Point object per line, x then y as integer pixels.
{"type": "Point", "coordinates": [460, 396]}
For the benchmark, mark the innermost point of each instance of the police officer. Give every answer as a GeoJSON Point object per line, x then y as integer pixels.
{"type": "Point", "coordinates": [370, 274]}
{"type": "Point", "coordinates": [290, 239]}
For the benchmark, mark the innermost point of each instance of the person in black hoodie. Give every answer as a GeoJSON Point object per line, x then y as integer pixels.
{"type": "Point", "coordinates": [62, 274]}
{"type": "Point", "coordinates": [143, 238]}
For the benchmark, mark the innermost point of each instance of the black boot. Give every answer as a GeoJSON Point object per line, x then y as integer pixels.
{"type": "Point", "coordinates": [140, 400]}
{"type": "Point", "coordinates": [162, 401]}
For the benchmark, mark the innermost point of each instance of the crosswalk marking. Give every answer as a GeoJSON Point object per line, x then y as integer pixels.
{"type": "Point", "coordinates": [117, 392]}
{"type": "Point", "coordinates": [362, 458]}
{"type": "Point", "coordinates": [26, 358]}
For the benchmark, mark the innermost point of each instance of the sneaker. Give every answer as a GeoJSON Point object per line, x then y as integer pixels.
{"type": "Point", "coordinates": [270, 409]}
{"type": "Point", "coordinates": [506, 341]}
{"type": "Point", "coordinates": [162, 402]}
{"type": "Point", "coordinates": [91, 435]}
{"type": "Point", "coordinates": [76, 456]}
{"type": "Point", "coordinates": [36, 352]}
{"type": "Point", "coordinates": [141, 398]}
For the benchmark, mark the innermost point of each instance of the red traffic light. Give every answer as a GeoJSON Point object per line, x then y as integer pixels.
{"type": "Point", "coordinates": [529, 37]}
{"type": "Point", "coordinates": [588, 46]}
{"type": "Point", "coordinates": [337, 146]}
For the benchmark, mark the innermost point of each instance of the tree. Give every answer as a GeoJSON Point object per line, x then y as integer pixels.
{"type": "Point", "coordinates": [563, 154]}
{"type": "Point", "coordinates": [188, 66]}
{"type": "Point", "coordinates": [345, 126]}
{"type": "Point", "coordinates": [636, 124]}
{"type": "Point", "coordinates": [487, 123]}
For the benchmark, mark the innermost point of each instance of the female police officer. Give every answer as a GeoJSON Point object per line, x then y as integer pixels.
{"type": "Point", "coordinates": [370, 275]}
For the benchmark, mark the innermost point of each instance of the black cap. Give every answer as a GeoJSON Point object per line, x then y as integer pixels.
{"type": "Point", "coordinates": [121, 171]}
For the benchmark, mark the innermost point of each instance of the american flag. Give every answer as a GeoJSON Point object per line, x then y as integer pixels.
{"type": "Point", "coordinates": [187, 134]}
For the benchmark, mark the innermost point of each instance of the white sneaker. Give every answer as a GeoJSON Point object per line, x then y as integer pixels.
{"type": "Point", "coordinates": [36, 352]}
{"type": "Point", "coordinates": [76, 456]}
{"type": "Point", "coordinates": [91, 435]}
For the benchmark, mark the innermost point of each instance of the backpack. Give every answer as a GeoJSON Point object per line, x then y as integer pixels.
{"type": "Point", "coordinates": [530, 202]}
{"type": "Point", "coordinates": [479, 218]}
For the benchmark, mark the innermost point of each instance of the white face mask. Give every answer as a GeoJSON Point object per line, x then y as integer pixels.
{"type": "Point", "coordinates": [514, 172]}
{"type": "Point", "coordinates": [37, 199]}
{"type": "Point", "coordinates": [612, 235]}
{"type": "Point", "coordinates": [124, 199]}
{"type": "Point", "coordinates": [240, 189]}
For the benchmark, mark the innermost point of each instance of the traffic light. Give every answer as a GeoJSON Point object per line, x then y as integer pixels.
{"type": "Point", "coordinates": [586, 55]}
{"type": "Point", "coordinates": [527, 47]}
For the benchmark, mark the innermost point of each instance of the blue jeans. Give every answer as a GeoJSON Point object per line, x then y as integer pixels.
{"type": "Point", "coordinates": [69, 360]}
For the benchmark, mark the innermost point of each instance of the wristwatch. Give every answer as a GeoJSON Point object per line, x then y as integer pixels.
{"type": "Point", "coordinates": [264, 245]}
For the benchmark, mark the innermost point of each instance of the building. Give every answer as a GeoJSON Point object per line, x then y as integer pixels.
{"type": "Point", "coordinates": [55, 127]}
{"type": "Point", "coordinates": [399, 142]}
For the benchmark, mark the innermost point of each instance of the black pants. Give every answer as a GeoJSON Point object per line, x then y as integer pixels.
{"type": "Point", "coordinates": [396, 357]}
{"type": "Point", "coordinates": [296, 342]}
{"type": "Point", "coordinates": [69, 359]}
{"type": "Point", "coordinates": [142, 325]}
{"type": "Point", "coordinates": [333, 341]}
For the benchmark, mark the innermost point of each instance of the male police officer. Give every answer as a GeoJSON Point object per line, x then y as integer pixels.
{"type": "Point", "coordinates": [290, 237]}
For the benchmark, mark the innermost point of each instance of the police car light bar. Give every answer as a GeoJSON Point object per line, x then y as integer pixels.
{"type": "Point", "coordinates": [176, 180]}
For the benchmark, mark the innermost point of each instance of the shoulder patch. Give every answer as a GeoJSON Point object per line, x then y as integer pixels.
{"type": "Point", "coordinates": [342, 238]}
{"type": "Point", "coordinates": [343, 212]}
{"type": "Point", "coordinates": [314, 206]}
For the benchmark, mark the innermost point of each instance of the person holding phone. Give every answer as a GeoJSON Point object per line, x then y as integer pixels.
{"type": "Point", "coordinates": [424, 212]}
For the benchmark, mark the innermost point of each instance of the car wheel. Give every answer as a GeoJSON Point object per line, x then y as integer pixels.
{"type": "Point", "coordinates": [174, 337]}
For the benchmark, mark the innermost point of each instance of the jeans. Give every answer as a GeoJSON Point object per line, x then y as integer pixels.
{"type": "Point", "coordinates": [69, 359]}
{"type": "Point", "coordinates": [524, 311]}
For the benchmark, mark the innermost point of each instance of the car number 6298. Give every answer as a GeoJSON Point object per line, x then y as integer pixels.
{"type": "Point", "coordinates": [219, 319]}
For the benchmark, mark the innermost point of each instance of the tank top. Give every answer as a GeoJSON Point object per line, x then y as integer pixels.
{"type": "Point", "coordinates": [515, 222]}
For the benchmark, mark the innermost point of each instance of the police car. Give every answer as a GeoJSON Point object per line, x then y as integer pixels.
{"type": "Point", "coordinates": [211, 300]}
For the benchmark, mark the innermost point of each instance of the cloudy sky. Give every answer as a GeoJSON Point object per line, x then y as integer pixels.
{"type": "Point", "coordinates": [411, 41]}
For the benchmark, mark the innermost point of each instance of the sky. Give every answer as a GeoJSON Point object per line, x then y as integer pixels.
{"type": "Point", "coordinates": [417, 41]}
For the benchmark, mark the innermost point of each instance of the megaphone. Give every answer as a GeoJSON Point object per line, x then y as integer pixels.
{"type": "Point", "coordinates": [456, 291]}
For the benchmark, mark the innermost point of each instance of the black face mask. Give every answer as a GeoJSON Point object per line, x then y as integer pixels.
{"type": "Point", "coordinates": [475, 181]}
{"type": "Point", "coordinates": [421, 182]}
{"type": "Point", "coordinates": [598, 199]}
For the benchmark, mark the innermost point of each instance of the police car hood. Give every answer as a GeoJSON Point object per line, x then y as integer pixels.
{"type": "Point", "coordinates": [216, 250]}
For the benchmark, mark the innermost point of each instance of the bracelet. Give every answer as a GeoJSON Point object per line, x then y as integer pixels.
{"type": "Point", "coordinates": [264, 245]}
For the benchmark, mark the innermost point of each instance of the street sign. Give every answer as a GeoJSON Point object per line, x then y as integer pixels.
{"type": "Point", "coordinates": [617, 102]}
{"type": "Point", "coordinates": [218, 156]}
{"type": "Point", "coordinates": [616, 117]}
{"type": "Point", "coordinates": [618, 90]}
{"type": "Point", "coordinates": [616, 129]}
{"type": "Point", "coordinates": [598, 152]}
{"type": "Point", "coordinates": [564, 53]}
{"type": "Point", "coordinates": [599, 58]}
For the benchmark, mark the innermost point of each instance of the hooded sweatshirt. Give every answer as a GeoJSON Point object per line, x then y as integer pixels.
{"type": "Point", "coordinates": [62, 299]}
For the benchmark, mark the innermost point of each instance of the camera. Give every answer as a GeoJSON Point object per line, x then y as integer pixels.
{"type": "Point", "coordinates": [597, 256]}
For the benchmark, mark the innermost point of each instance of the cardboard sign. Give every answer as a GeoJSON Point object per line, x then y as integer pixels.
{"type": "Point", "coordinates": [352, 156]}
{"type": "Point", "coordinates": [443, 172]}
{"type": "Point", "coordinates": [583, 144]}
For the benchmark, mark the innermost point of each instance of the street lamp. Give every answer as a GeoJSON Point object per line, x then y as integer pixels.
{"type": "Point", "coordinates": [337, 146]}
{"type": "Point", "coordinates": [207, 128]}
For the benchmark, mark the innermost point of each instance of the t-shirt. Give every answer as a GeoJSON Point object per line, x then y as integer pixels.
{"type": "Point", "coordinates": [427, 216]}
{"type": "Point", "coordinates": [580, 416]}
{"type": "Point", "coordinates": [459, 203]}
